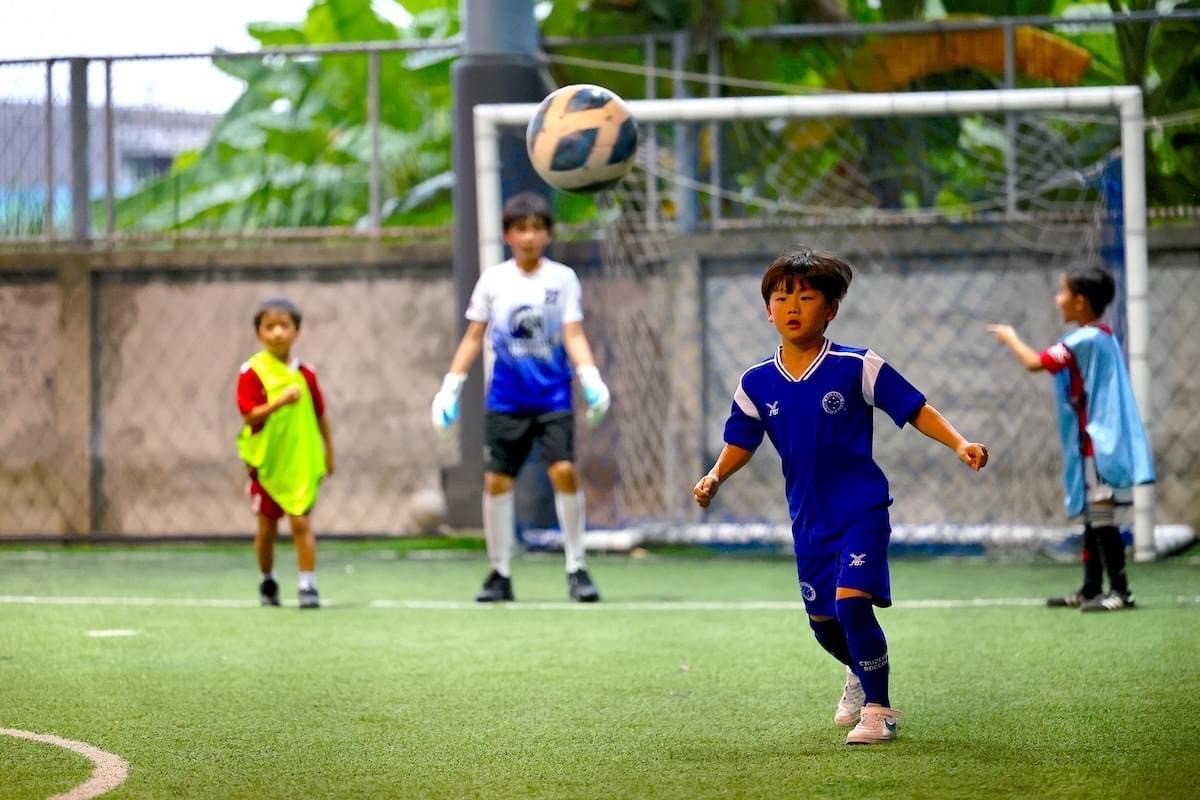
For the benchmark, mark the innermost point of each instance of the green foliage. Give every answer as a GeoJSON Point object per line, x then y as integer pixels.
{"type": "Point", "coordinates": [294, 149]}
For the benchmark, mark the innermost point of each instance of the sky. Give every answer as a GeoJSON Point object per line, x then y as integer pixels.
{"type": "Point", "coordinates": [44, 28]}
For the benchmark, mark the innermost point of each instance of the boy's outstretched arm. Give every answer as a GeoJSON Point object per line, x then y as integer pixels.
{"type": "Point", "coordinates": [1007, 335]}
{"type": "Point", "coordinates": [930, 422]}
{"type": "Point", "coordinates": [732, 459]}
{"type": "Point", "coordinates": [444, 412]}
{"type": "Point", "coordinates": [595, 392]}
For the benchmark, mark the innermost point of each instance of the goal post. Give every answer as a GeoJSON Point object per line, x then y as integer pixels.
{"type": "Point", "coordinates": [1125, 101]}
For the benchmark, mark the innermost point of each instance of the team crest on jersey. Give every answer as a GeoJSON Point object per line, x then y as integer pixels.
{"type": "Point", "coordinates": [527, 333]}
{"type": "Point", "coordinates": [807, 591]}
{"type": "Point", "coordinates": [525, 323]}
{"type": "Point", "coordinates": [833, 402]}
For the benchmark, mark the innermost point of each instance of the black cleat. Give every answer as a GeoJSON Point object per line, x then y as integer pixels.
{"type": "Point", "coordinates": [581, 588]}
{"type": "Point", "coordinates": [1111, 601]}
{"type": "Point", "coordinates": [309, 599]}
{"type": "Point", "coordinates": [495, 589]}
{"type": "Point", "coordinates": [268, 592]}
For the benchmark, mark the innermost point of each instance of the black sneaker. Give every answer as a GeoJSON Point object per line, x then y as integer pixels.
{"type": "Point", "coordinates": [309, 599]}
{"type": "Point", "coordinates": [495, 589]}
{"type": "Point", "coordinates": [268, 592]}
{"type": "Point", "coordinates": [581, 588]}
{"type": "Point", "coordinates": [1072, 600]}
{"type": "Point", "coordinates": [1109, 601]}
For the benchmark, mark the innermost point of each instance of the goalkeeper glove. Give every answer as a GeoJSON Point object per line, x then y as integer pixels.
{"type": "Point", "coordinates": [595, 393]}
{"type": "Point", "coordinates": [444, 412]}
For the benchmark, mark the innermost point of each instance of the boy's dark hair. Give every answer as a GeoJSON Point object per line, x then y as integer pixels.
{"type": "Point", "coordinates": [1093, 283]}
{"type": "Point", "coordinates": [524, 205]}
{"type": "Point", "coordinates": [277, 304]}
{"type": "Point", "coordinates": [822, 270]}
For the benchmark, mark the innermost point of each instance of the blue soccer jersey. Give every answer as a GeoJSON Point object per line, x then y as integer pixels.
{"type": "Point", "coordinates": [821, 424]}
{"type": "Point", "coordinates": [526, 312]}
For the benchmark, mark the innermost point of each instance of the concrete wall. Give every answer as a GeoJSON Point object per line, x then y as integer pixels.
{"type": "Point", "coordinates": [117, 375]}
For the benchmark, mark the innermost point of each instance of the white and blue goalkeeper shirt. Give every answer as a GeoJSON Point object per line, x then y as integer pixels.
{"type": "Point", "coordinates": [525, 313]}
{"type": "Point", "coordinates": [821, 424]}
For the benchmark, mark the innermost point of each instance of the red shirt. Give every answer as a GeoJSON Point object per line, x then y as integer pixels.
{"type": "Point", "coordinates": [251, 393]}
{"type": "Point", "coordinates": [1058, 357]}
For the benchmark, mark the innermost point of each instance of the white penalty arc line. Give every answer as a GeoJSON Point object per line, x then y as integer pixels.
{"type": "Point", "coordinates": [110, 769]}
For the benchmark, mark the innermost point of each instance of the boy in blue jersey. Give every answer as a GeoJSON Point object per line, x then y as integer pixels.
{"type": "Point", "coordinates": [532, 308]}
{"type": "Point", "coordinates": [814, 400]}
{"type": "Point", "coordinates": [1105, 450]}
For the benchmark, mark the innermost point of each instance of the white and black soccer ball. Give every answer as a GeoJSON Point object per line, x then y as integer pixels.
{"type": "Point", "coordinates": [583, 138]}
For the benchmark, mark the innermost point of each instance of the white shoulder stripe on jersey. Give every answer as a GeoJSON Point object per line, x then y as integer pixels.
{"type": "Point", "coordinates": [745, 403]}
{"type": "Point", "coordinates": [872, 363]}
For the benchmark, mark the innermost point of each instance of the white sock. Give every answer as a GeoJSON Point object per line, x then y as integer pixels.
{"type": "Point", "coordinates": [571, 515]}
{"type": "Point", "coordinates": [308, 580]}
{"type": "Point", "coordinates": [268, 576]}
{"type": "Point", "coordinates": [498, 524]}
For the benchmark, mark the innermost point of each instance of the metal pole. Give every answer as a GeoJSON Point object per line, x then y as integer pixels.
{"type": "Point", "coordinates": [110, 159]}
{"type": "Point", "coordinates": [498, 64]}
{"type": "Point", "coordinates": [1137, 300]}
{"type": "Point", "coordinates": [685, 147]}
{"type": "Point", "coordinates": [48, 224]}
{"type": "Point", "coordinates": [1010, 122]}
{"type": "Point", "coordinates": [374, 181]}
{"type": "Point", "coordinates": [650, 50]}
{"type": "Point", "coordinates": [714, 135]}
{"type": "Point", "coordinates": [81, 206]}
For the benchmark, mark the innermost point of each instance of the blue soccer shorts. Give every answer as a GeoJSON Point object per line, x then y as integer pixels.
{"type": "Point", "coordinates": [860, 563]}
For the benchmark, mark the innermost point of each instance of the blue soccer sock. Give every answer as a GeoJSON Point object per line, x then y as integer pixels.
{"type": "Point", "coordinates": [832, 636]}
{"type": "Point", "coordinates": [868, 647]}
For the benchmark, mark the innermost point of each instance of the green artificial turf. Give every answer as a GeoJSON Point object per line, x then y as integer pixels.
{"type": "Point", "coordinates": [675, 686]}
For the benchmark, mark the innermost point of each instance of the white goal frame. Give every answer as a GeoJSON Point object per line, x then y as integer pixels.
{"type": "Point", "coordinates": [1126, 100]}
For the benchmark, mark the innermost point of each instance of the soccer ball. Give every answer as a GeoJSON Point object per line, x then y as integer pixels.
{"type": "Point", "coordinates": [427, 511]}
{"type": "Point", "coordinates": [583, 138]}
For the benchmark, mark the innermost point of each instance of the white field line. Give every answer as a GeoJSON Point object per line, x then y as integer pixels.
{"type": "Point", "coordinates": [466, 605]}
{"type": "Point", "coordinates": [109, 772]}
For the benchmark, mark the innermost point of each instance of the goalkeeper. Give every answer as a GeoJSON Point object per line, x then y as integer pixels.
{"type": "Point", "coordinates": [531, 308]}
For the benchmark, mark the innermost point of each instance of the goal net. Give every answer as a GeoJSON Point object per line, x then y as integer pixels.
{"type": "Point", "coordinates": [955, 209]}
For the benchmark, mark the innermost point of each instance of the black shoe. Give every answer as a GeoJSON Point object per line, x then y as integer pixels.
{"type": "Point", "coordinates": [495, 588]}
{"type": "Point", "coordinates": [1110, 601]}
{"type": "Point", "coordinates": [268, 592]}
{"type": "Point", "coordinates": [581, 588]}
{"type": "Point", "coordinates": [309, 599]}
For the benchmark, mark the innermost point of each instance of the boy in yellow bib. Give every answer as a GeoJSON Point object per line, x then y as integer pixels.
{"type": "Point", "coordinates": [285, 443]}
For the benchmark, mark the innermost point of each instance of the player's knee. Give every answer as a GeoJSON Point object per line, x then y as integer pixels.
{"type": "Point", "coordinates": [855, 610]}
{"type": "Point", "coordinates": [562, 475]}
{"type": "Point", "coordinates": [495, 483]}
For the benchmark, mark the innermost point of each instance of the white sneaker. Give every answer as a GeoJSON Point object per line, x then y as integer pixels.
{"type": "Point", "coordinates": [850, 706]}
{"type": "Point", "coordinates": [877, 724]}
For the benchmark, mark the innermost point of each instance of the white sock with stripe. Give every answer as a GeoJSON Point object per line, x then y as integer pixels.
{"type": "Point", "coordinates": [571, 516]}
{"type": "Point", "coordinates": [498, 525]}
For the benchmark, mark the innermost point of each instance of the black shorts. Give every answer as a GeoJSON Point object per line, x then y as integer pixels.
{"type": "Point", "coordinates": [508, 438]}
